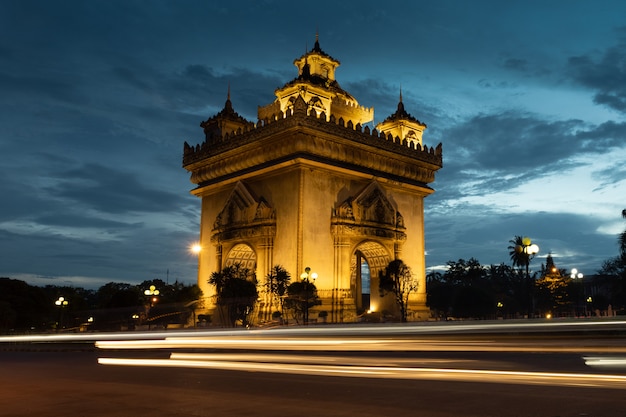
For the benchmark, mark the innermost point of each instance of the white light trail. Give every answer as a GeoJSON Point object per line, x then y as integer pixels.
{"type": "Point", "coordinates": [357, 344]}
{"type": "Point", "coordinates": [373, 330]}
{"type": "Point", "coordinates": [383, 372]}
{"type": "Point", "coordinates": [613, 362]}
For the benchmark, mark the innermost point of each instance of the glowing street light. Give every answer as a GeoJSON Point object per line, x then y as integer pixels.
{"type": "Point", "coordinates": [196, 248]}
{"type": "Point", "coordinates": [153, 293]}
{"type": "Point", "coordinates": [575, 274]}
{"type": "Point", "coordinates": [61, 302]}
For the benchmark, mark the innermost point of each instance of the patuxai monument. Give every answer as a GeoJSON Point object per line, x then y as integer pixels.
{"type": "Point", "coordinates": [310, 184]}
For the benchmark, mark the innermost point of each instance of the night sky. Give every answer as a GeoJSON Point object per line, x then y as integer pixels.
{"type": "Point", "coordinates": [97, 98]}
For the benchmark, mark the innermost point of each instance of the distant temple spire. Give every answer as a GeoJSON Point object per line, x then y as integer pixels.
{"type": "Point", "coordinates": [228, 106]}
{"type": "Point", "coordinates": [316, 47]}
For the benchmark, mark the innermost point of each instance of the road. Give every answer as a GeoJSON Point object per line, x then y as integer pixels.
{"type": "Point", "coordinates": [331, 373]}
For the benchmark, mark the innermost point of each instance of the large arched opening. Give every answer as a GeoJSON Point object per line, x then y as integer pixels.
{"type": "Point", "coordinates": [368, 260]}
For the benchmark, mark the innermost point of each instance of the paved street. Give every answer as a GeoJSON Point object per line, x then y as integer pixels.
{"type": "Point", "coordinates": [73, 384]}
{"type": "Point", "coordinates": [391, 372]}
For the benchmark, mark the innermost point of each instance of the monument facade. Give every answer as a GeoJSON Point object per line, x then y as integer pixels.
{"type": "Point", "coordinates": [310, 184]}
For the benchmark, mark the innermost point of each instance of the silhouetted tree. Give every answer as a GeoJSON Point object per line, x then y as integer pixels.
{"type": "Point", "coordinates": [398, 280]}
{"type": "Point", "coordinates": [613, 271]}
{"type": "Point", "coordinates": [23, 307]}
{"type": "Point", "coordinates": [518, 257]}
{"type": "Point", "coordinates": [471, 293]}
{"type": "Point", "coordinates": [553, 286]}
{"type": "Point", "coordinates": [438, 294]}
{"type": "Point", "coordinates": [301, 296]}
{"type": "Point", "coordinates": [509, 288]}
{"type": "Point", "coordinates": [276, 283]}
{"type": "Point", "coordinates": [236, 292]}
{"type": "Point", "coordinates": [469, 290]}
{"type": "Point", "coordinates": [239, 296]}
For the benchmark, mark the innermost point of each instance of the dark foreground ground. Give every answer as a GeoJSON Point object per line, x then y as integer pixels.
{"type": "Point", "coordinates": [72, 383]}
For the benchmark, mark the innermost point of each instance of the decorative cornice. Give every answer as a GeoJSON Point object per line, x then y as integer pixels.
{"type": "Point", "coordinates": [347, 228]}
{"type": "Point", "coordinates": [250, 231]}
{"type": "Point", "coordinates": [298, 135]}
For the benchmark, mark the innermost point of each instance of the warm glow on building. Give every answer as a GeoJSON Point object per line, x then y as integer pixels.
{"type": "Point", "coordinates": [308, 185]}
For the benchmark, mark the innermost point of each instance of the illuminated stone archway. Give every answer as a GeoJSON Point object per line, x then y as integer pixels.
{"type": "Point", "coordinates": [368, 260]}
{"type": "Point", "coordinates": [312, 183]}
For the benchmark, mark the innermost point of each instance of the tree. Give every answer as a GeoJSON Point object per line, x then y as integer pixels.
{"type": "Point", "coordinates": [518, 256]}
{"type": "Point", "coordinates": [521, 252]}
{"type": "Point", "coordinates": [23, 307]}
{"type": "Point", "coordinates": [301, 296]}
{"type": "Point", "coordinates": [398, 280]}
{"type": "Point", "coordinates": [239, 296]}
{"type": "Point", "coordinates": [509, 287]}
{"type": "Point", "coordinates": [276, 283]}
{"type": "Point", "coordinates": [219, 278]}
{"type": "Point", "coordinates": [553, 285]}
{"type": "Point", "coordinates": [613, 272]}
{"type": "Point", "coordinates": [236, 292]}
{"type": "Point", "coordinates": [118, 295]}
{"type": "Point", "coordinates": [438, 294]}
{"type": "Point", "coordinates": [174, 303]}
{"type": "Point", "coordinates": [468, 292]}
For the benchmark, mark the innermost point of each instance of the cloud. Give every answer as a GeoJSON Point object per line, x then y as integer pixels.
{"type": "Point", "coordinates": [605, 74]}
{"type": "Point", "coordinates": [581, 246]}
{"type": "Point", "coordinates": [111, 191]}
{"type": "Point", "coordinates": [516, 64]}
{"type": "Point", "coordinates": [489, 153]}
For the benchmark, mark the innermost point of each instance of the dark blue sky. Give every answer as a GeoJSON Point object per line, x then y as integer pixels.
{"type": "Point", "coordinates": [97, 98]}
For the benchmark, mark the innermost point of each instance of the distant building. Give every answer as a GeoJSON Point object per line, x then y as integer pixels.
{"type": "Point", "coordinates": [309, 185]}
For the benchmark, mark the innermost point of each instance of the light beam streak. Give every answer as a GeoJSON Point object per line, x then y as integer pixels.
{"type": "Point", "coordinates": [441, 374]}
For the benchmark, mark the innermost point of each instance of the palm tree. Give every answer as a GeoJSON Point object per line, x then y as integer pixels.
{"type": "Point", "coordinates": [518, 257]}
{"type": "Point", "coordinates": [276, 283]}
{"type": "Point", "coordinates": [236, 292]}
{"type": "Point", "coordinates": [521, 256]}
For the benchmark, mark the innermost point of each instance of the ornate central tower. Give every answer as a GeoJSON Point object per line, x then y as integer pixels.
{"type": "Point", "coordinates": [308, 185]}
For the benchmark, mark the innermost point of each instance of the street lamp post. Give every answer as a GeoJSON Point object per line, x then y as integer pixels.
{"type": "Point", "coordinates": [152, 293]}
{"type": "Point", "coordinates": [196, 249]}
{"type": "Point", "coordinates": [529, 250]}
{"type": "Point", "coordinates": [61, 303]}
{"type": "Point", "coordinates": [574, 275]}
{"type": "Point", "coordinates": [306, 276]}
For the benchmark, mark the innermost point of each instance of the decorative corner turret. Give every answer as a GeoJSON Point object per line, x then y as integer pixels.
{"type": "Point", "coordinates": [224, 123]}
{"type": "Point", "coordinates": [402, 125]}
{"type": "Point", "coordinates": [316, 63]}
